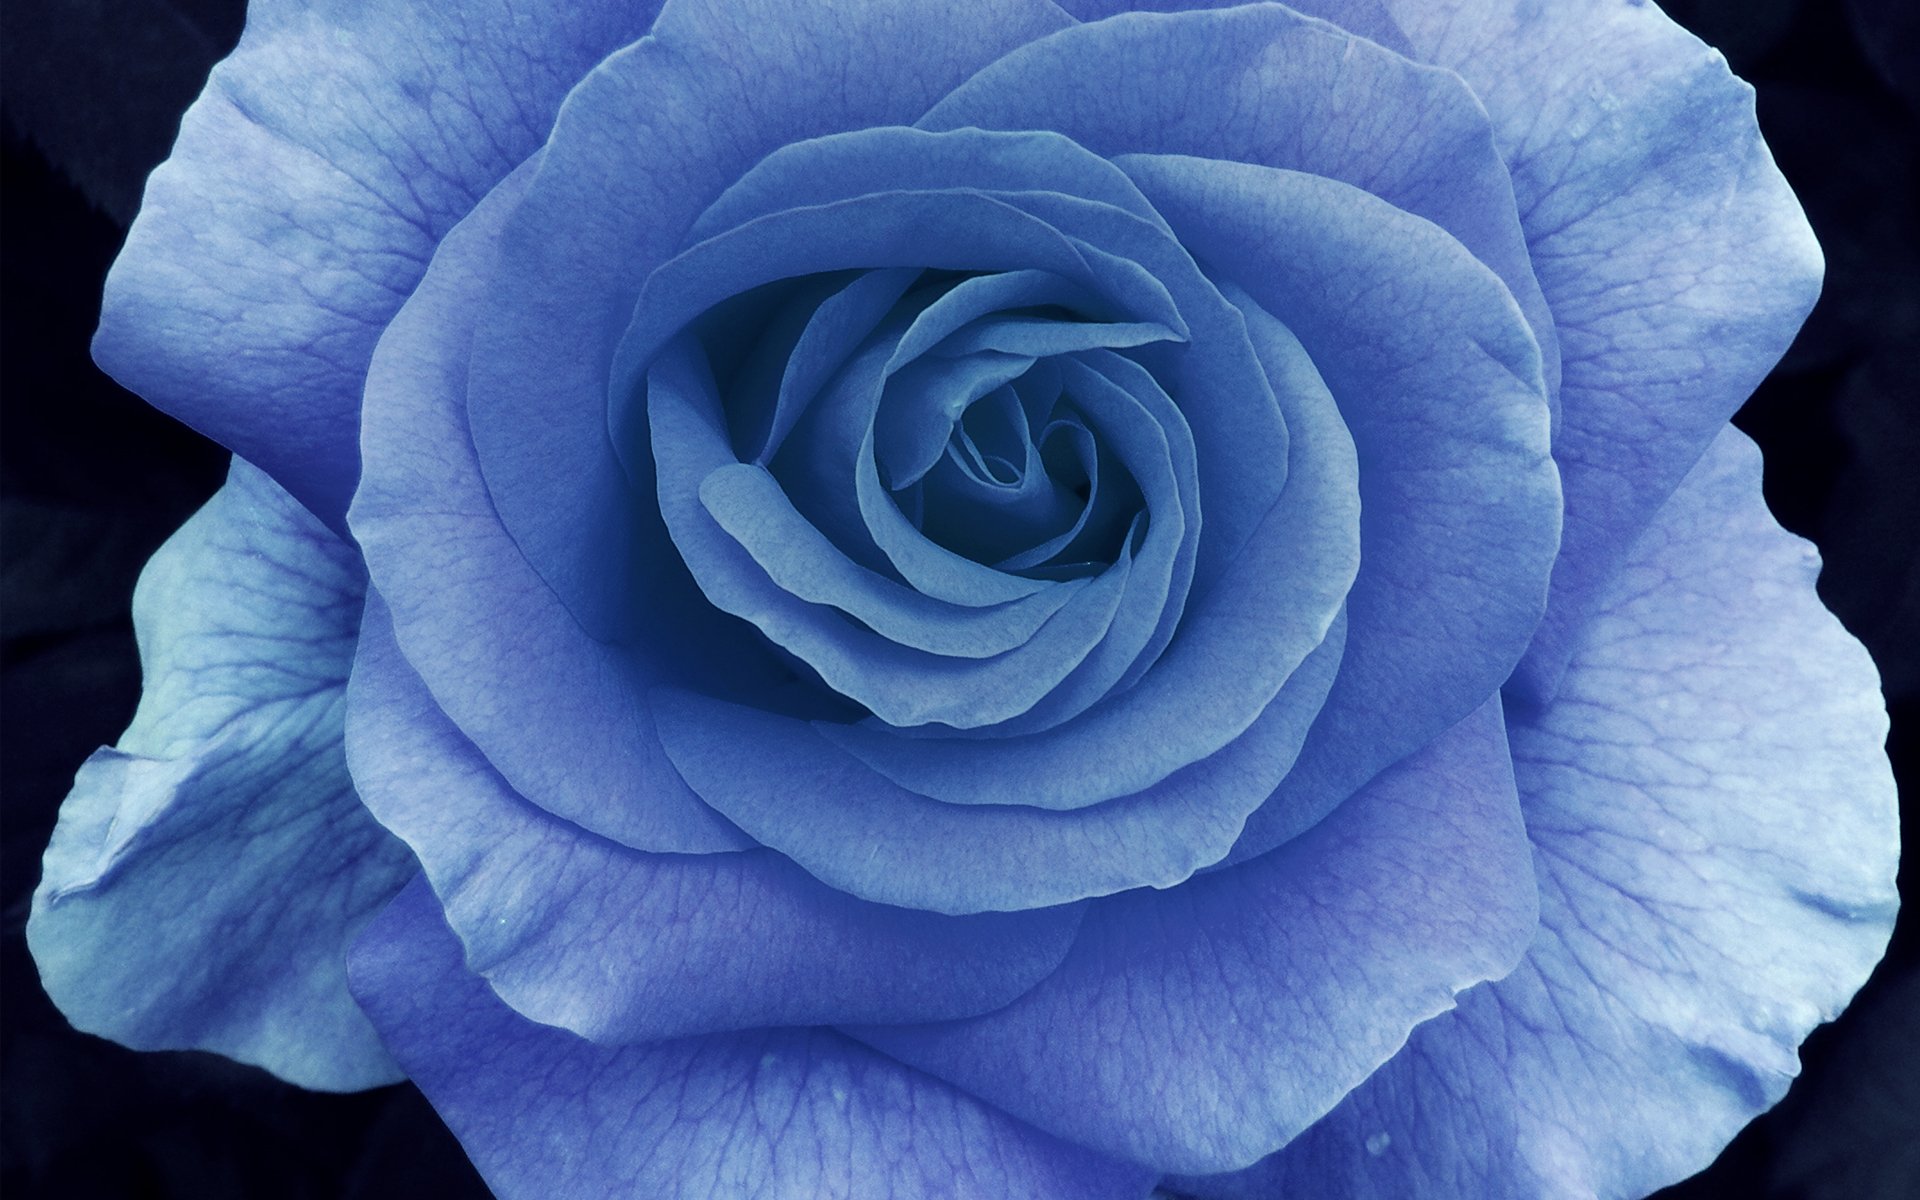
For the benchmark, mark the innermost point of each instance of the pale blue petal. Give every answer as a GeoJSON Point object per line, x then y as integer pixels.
{"type": "Point", "coordinates": [1200, 1028]}
{"type": "Point", "coordinates": [1368, 18]}
{"type": "Point", "coordinates": [780, 1114]}
{"type": "Point", "coordinates": [310, 184]}
{"type": "Point", "coordinates": [894, 158]}
{"type": "Point", "coordinates": [1676, 262]}
{"type": "Point", "coordinates": [209, 872]}
{"type": "Point", "coordinates": [1716, 836]}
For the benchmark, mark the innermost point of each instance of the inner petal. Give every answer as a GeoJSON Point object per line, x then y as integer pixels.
{"type": "Point", "coordinates": [990, 496]}
{"type": "Point", "coordinates": [922, 404]}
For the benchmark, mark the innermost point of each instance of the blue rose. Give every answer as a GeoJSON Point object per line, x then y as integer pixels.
{"type": "Point", "coordinates": [895, 599]}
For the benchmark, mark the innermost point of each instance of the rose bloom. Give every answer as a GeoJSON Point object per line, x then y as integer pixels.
{"type": "Point", "coordinates": [892, 598]}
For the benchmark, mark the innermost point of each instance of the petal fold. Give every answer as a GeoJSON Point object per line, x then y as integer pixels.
{"type": "Point", "coordinates": [560, 714]}
{"type": "Point", "coordinates": [861, 833]}
{"type": "Point", "coordinates": [208, 873]}
{"type": "Point", "coordinates": [1262, 84]}
{"type": "Point", "coordinates": [1459, 503]}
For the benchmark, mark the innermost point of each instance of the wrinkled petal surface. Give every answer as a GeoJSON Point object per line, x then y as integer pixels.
{"type": "Point", "coordinates": [1715, 832]}
{"type": "Point", "coordinates": [1674, 258]}
{"type": "Point", "coordinates": [311, 181]}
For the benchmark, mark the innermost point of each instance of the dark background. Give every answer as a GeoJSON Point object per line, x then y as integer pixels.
{"type": "Point", "coordinates": [91, 480]}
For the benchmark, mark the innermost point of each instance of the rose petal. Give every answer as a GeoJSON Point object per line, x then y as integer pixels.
{"type": "Point", "coordinates": [862, 834]}
{"type": "Point", "coordinates": [1368, 18]}
{"type": "Point", "coordinates": [893, 157]}
{"type": "Point", "coordinates": [1716, 836]}
{"type": "Point", "coordinates": [749, 505]}
{"type": "Point", "coordinates": [619, 945]}
{"type": "Point", "coordinates": [1202, 1027]}
{"type": "Point", "coordinates": [208, 874]}
{"type": "Point", "coordinates": [1460, 513]}
{"type": "Point", "coordinates": [770, 1114]}
{"type": "Point", "coordinates": [311, 181]}
{"type": "Point", "coordinates": [561, 715]}
{"type": "Point", "coordinates": [1676, 261]}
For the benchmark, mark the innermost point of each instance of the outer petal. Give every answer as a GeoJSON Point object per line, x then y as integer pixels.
{"type": "Point", "coordinates": [786, 1114]}
{"type": "Point", "coordinates": [1714, 827]}
{"type": "Point", "coordinates": [311, 181]}
{"type": "Point", "coordinates": [1200, 1028]}
{"type": "Point", "coordinates": [208, 874]}
{"type": "Point", "coordinates": [1676, 262]}
{"type": "Point", "coordinates": [646, 142]}
{"type": "Point", "coordinates": [620, 945]}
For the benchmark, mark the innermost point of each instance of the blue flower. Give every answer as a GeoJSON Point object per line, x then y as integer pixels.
{"type": "Point", "coordinates": [895, 599]}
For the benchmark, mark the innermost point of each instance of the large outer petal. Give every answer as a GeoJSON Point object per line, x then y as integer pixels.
{"type": "Point", "coordinates": [1676, 261]}
{"type": "Point", "coordinates": [310, 184]}
{"type": "Point", "coordinates": [1715, 831]}
{"type": "Point", "coordinates": [208, 873]}
{"type": "Point", "coordinates": [1202, 1027]}
{"type": "Point", "coordinates": [783, 1114]}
